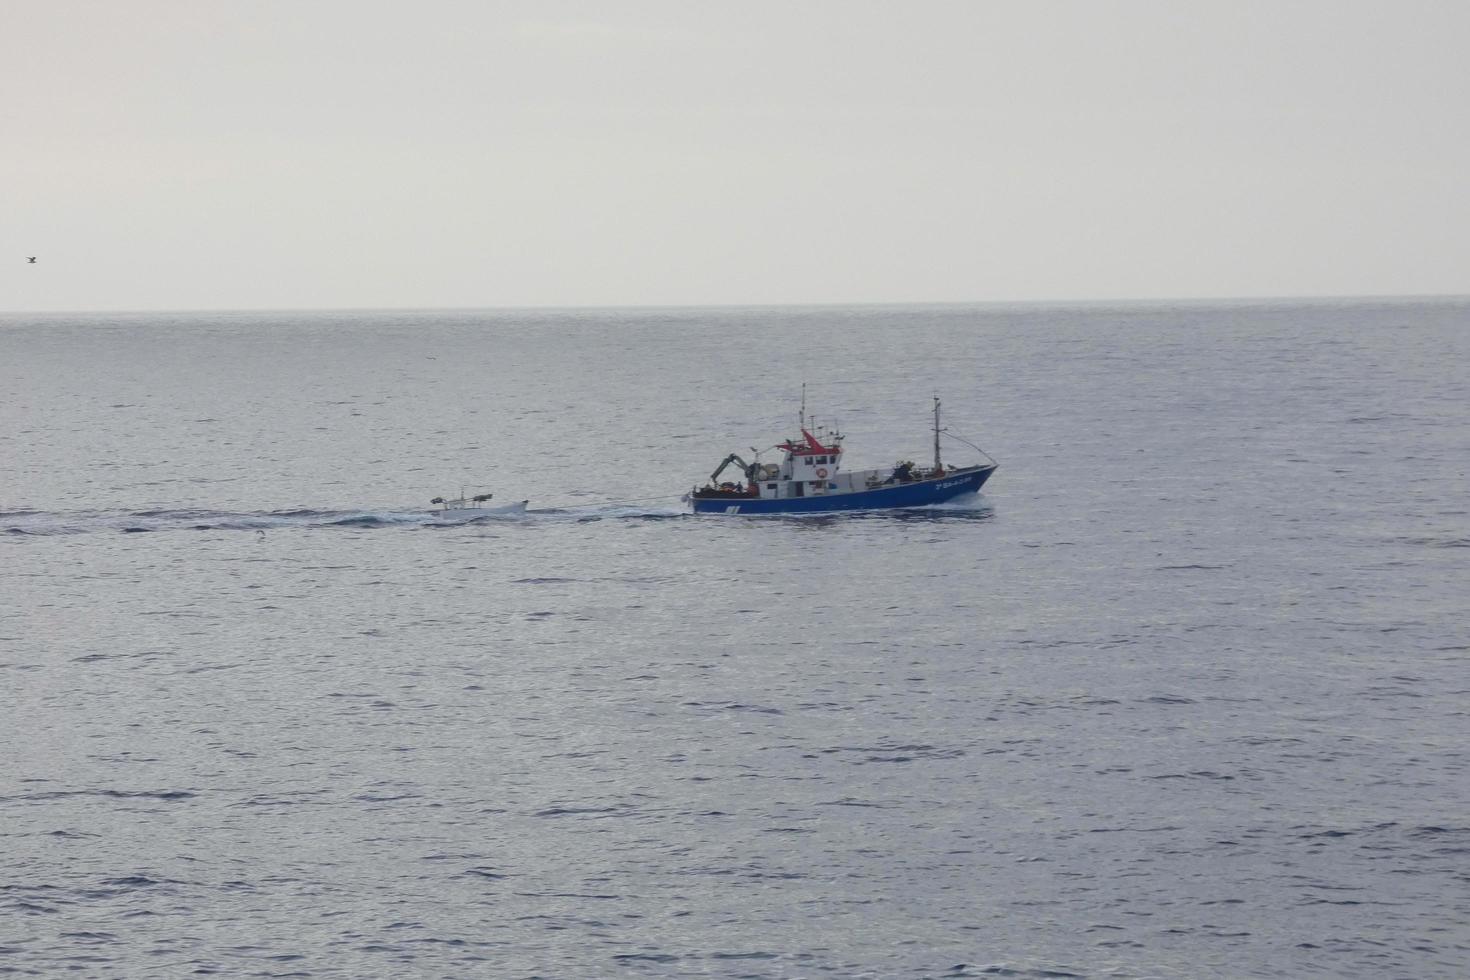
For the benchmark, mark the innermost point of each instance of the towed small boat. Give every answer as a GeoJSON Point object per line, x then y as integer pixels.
{"type": "Point", "coordinates": [809, 479]}
{"type": "Point", "coordinates": [467, 508]}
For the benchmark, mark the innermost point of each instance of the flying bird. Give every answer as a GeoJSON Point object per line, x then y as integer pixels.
{"type": "Point", "coordinates": [31, 259]}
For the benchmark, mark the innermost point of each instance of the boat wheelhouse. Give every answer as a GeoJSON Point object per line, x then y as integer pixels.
{"type": "Point", "coordinates": [810, 479]}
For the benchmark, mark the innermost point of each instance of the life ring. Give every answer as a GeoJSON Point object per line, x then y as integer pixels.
{"type": "Point", "coordinates": [821, 473]}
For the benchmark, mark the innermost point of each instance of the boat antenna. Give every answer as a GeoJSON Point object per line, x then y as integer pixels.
{"type": "Point", "coordinates": [936, 434]}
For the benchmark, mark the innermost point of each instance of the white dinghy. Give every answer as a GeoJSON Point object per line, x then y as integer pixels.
{"type": "Point", "coordinates": [469, 508]}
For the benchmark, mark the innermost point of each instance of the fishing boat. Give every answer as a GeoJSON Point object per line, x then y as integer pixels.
{"type": "Point", "coordinates": [810, 479]}
{"type": "Point", "coordinates": [468, 508]}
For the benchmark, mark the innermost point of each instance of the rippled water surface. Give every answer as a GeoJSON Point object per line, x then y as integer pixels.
{"type": "Point", "coordinates": [1184, 694]}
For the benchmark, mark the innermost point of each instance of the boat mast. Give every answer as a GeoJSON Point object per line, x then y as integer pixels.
{"type": "Point", "coordinates": [802, 417]}
{"type": "Point", "coordinates": [936, 433]}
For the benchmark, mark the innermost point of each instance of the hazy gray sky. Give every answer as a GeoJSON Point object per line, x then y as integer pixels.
{"type": "Point", "coordinates": [330, 153]}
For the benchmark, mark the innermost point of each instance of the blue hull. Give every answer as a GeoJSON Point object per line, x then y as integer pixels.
{"type": "Point", "coordinates": [919, 494]}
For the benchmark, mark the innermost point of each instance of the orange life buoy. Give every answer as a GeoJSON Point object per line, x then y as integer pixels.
{"type": "Point", "coordinates": [821, 473]}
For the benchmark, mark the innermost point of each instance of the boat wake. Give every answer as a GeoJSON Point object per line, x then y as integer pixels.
{"type": "Point", "coordinates": [34, 523]}
{"type": "Point", "coordinates": [968, 503]}
{"type": "Point", "coordinates": [47, 524]}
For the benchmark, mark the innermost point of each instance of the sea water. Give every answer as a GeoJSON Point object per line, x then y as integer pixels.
{"type": "Point", "coordinates": [1184, 693]}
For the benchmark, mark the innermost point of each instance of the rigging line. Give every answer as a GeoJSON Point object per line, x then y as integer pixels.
{"type": "Point", "coordinates": [945, 431]}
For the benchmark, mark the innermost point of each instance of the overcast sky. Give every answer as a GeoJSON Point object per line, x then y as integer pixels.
{"type": "Point", "coordinates": [180, 154]}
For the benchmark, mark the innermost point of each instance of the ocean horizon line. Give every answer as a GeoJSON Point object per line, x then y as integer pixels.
{"type": "Point", "coordinates": [1093, 303]}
